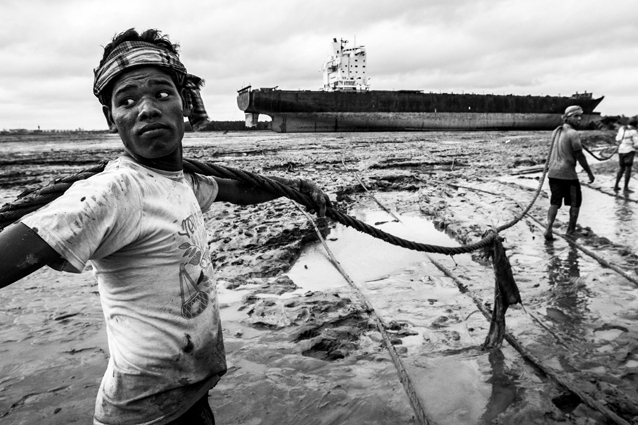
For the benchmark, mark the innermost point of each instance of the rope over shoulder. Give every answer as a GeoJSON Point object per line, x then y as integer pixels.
{"type": "Point", "coordinates": [32, 200]}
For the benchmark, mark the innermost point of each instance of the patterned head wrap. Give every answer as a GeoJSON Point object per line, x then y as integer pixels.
{"type": "Point", "coordinates": [572, 110]}
{"type": "Point", "coordinates": [130, 54]}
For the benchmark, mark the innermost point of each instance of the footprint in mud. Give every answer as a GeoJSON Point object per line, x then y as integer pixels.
{"type": "Point", "coordinates": [329, 349]}
{"type": "Point", "coordinates": [557, 315]}
{"type": "Point", "coordinates": [444, 321]}
{"type": "Point", "coordinates": [609, 332]}
{"type": "Point", "coordinates": [435, 340]}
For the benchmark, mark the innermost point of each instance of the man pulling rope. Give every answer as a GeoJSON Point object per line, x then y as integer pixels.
{"type": "Point", "coordinates": [140, 224]}
{"type": "Point", "coordinates": [563, 180]}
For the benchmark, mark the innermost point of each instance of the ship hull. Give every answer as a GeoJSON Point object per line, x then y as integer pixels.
{"type": "Point", "coordinates": [324, 122]}
{"type": "Point", "coordinates": [312, 111]}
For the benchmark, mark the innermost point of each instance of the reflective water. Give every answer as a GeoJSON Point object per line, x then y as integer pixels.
{"type": "Point", "coordinates": [363, 257]}
{"type": "Point", "coordinates": [466, 388]}
{"type": "Point", "coordinates": [608, 214]}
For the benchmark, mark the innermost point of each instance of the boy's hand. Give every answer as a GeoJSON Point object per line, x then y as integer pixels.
{"type": "Point", "coordinates": [316, 194]}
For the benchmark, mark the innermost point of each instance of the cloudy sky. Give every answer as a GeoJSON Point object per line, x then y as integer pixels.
{"type": "Point", "coordinates": [48, 49]}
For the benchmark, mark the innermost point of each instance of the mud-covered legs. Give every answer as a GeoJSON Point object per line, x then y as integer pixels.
{"type": "Point", "coordinates": [551, 217]}
{"type": "Point", "coordinates": [573, 218]}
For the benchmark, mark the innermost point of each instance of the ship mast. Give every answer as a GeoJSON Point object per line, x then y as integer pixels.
{"type": "Point", "coordinates": [345, 69]}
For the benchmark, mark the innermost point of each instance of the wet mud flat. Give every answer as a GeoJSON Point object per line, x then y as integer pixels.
{"type": "Point", "coordinates": [301, 345]}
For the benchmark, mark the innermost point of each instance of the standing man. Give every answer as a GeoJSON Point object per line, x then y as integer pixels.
{"type": "Point", "coordinates": [628, 138]}
{"type": "Point", "coordinates": [563, 180]}
{"type": "Point", "coordinates": [140, 225]}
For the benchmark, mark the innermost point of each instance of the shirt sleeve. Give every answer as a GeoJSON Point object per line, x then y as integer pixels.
{"type": "Point", "coordinates": [205, 189]}
{"type": "Point", "coordinates": [92, 219]}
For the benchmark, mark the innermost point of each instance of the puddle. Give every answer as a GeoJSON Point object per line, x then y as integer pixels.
{"type": "Point", "coordinates": [469, 389]}
{"type": "Point", "coordinates": [363, 257]}
{"type": "Point", "coordinates": [463, 378]}
{"type": "Point", "coordinates": [609, 334]}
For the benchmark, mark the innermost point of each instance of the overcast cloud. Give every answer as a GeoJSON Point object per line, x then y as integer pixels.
{"type": "Point", "coordinates": [48, 49]}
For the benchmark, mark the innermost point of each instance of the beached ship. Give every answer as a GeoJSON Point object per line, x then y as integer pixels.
{"type": "Point", "coordinates": [346, 103]}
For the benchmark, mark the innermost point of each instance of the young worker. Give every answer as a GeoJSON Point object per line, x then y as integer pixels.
{"type": "Point", "coordinates": [140, 225]}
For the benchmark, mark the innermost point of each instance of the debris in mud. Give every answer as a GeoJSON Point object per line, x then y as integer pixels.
{"type": "Point", "coordinates": [505, 292]}
{"type": "Point", "coordinates": [399, 329]}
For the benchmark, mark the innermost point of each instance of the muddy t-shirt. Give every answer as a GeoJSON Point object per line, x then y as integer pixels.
{"type": "Point", "coordinates": [562, 162]}
{"type": "Point", "coordinates": [143, 232]}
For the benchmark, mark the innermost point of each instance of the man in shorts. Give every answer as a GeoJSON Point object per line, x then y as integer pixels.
{"type": "Point", "coordinates": [140, 225]}
{"type": "Point", "coordinates": [563, 180]}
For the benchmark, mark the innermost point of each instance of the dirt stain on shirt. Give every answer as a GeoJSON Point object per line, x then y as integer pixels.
{"type": "Point", "coordinates": [189, 344]}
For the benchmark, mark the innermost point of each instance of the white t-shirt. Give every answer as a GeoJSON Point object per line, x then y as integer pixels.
{"type": "Point", "coordinates": [628, 137]}
{"type": "Point", "coordinates": [143, 232]}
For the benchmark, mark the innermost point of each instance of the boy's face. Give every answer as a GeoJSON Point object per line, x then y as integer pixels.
{"type": "Point", "coordinates": [148, 112]}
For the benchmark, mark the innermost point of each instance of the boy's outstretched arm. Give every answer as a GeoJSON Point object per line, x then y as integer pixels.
{"type": "Point", "coordinates": [22, 251]}
{"type": "Point", "coordinates": [240, 193]}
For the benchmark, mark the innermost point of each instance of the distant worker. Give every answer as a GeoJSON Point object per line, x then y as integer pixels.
{"type": "Point", "coordinates": [563, 180]}
{"type": "Point", "coordinates": [628, 138]}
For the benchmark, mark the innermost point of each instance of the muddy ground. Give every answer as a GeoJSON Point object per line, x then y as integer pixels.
{"type": "Point", "coordinates": [302, 346]}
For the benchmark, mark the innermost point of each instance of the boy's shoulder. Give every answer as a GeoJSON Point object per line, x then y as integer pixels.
{"type": "Point", "coordinates": [118, 176]}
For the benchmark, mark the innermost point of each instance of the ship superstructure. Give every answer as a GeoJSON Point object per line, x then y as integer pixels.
{"type": "Point", "coordinates": [345, 70]}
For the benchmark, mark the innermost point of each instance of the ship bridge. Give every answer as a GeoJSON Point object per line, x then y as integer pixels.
{"type": "Point", "coordinates": [345, 70]}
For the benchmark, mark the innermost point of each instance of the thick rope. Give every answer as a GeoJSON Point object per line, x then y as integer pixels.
{"type": "Point", "coordinates": [33, 200]}
{"type": "Point", "coordinates": [281, 189]}
{"type": "Point", "coordinates": [603, 158]}
{"type": "Point", "coordinates": [520, 216]}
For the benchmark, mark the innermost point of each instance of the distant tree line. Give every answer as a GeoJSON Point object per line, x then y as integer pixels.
{"type": "Point", "coordinates": [230, 126]}
{"type": "Point", "coordinates": [211, 126]}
